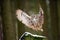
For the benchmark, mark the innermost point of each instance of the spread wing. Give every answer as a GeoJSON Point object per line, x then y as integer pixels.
{"type": "Point", "coordinates": [23, 17]}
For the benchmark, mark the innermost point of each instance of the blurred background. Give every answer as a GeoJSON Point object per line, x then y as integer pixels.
{"type": "Point", "coordinates": [12, 29]}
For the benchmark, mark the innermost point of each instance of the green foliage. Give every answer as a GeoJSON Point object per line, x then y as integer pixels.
{"type": "Point", "coordinates": [34, 38]}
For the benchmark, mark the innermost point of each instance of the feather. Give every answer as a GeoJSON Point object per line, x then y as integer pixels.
{"type": "Point", "coordinates": [35, 22]}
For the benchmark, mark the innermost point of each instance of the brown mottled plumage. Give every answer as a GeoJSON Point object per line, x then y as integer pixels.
{"type": "Point", "coordinates": [35, 21]}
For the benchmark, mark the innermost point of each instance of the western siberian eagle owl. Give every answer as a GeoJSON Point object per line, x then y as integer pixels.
{"type": "Point", "coordinates": [35, 21]}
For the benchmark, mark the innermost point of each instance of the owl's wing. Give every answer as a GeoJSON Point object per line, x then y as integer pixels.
{"type": "Point", "coordinates": [23, 17]}
{"type": "Point", "coordinates": [41, 18]}
{"type": "Point", "coordinates": [21, 14]}
{"type": "Point", "coordinates": [41, 15]}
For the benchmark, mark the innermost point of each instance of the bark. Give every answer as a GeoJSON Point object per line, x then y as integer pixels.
{"type": "Point", "coordinates": [9, 20]}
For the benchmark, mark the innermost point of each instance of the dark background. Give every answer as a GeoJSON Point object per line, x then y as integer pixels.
{"type": "Point", "coordinates": [12, 29]}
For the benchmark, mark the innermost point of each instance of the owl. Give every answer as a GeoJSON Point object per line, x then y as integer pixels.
{"type": "Point", "coordinates": [34, 22]}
